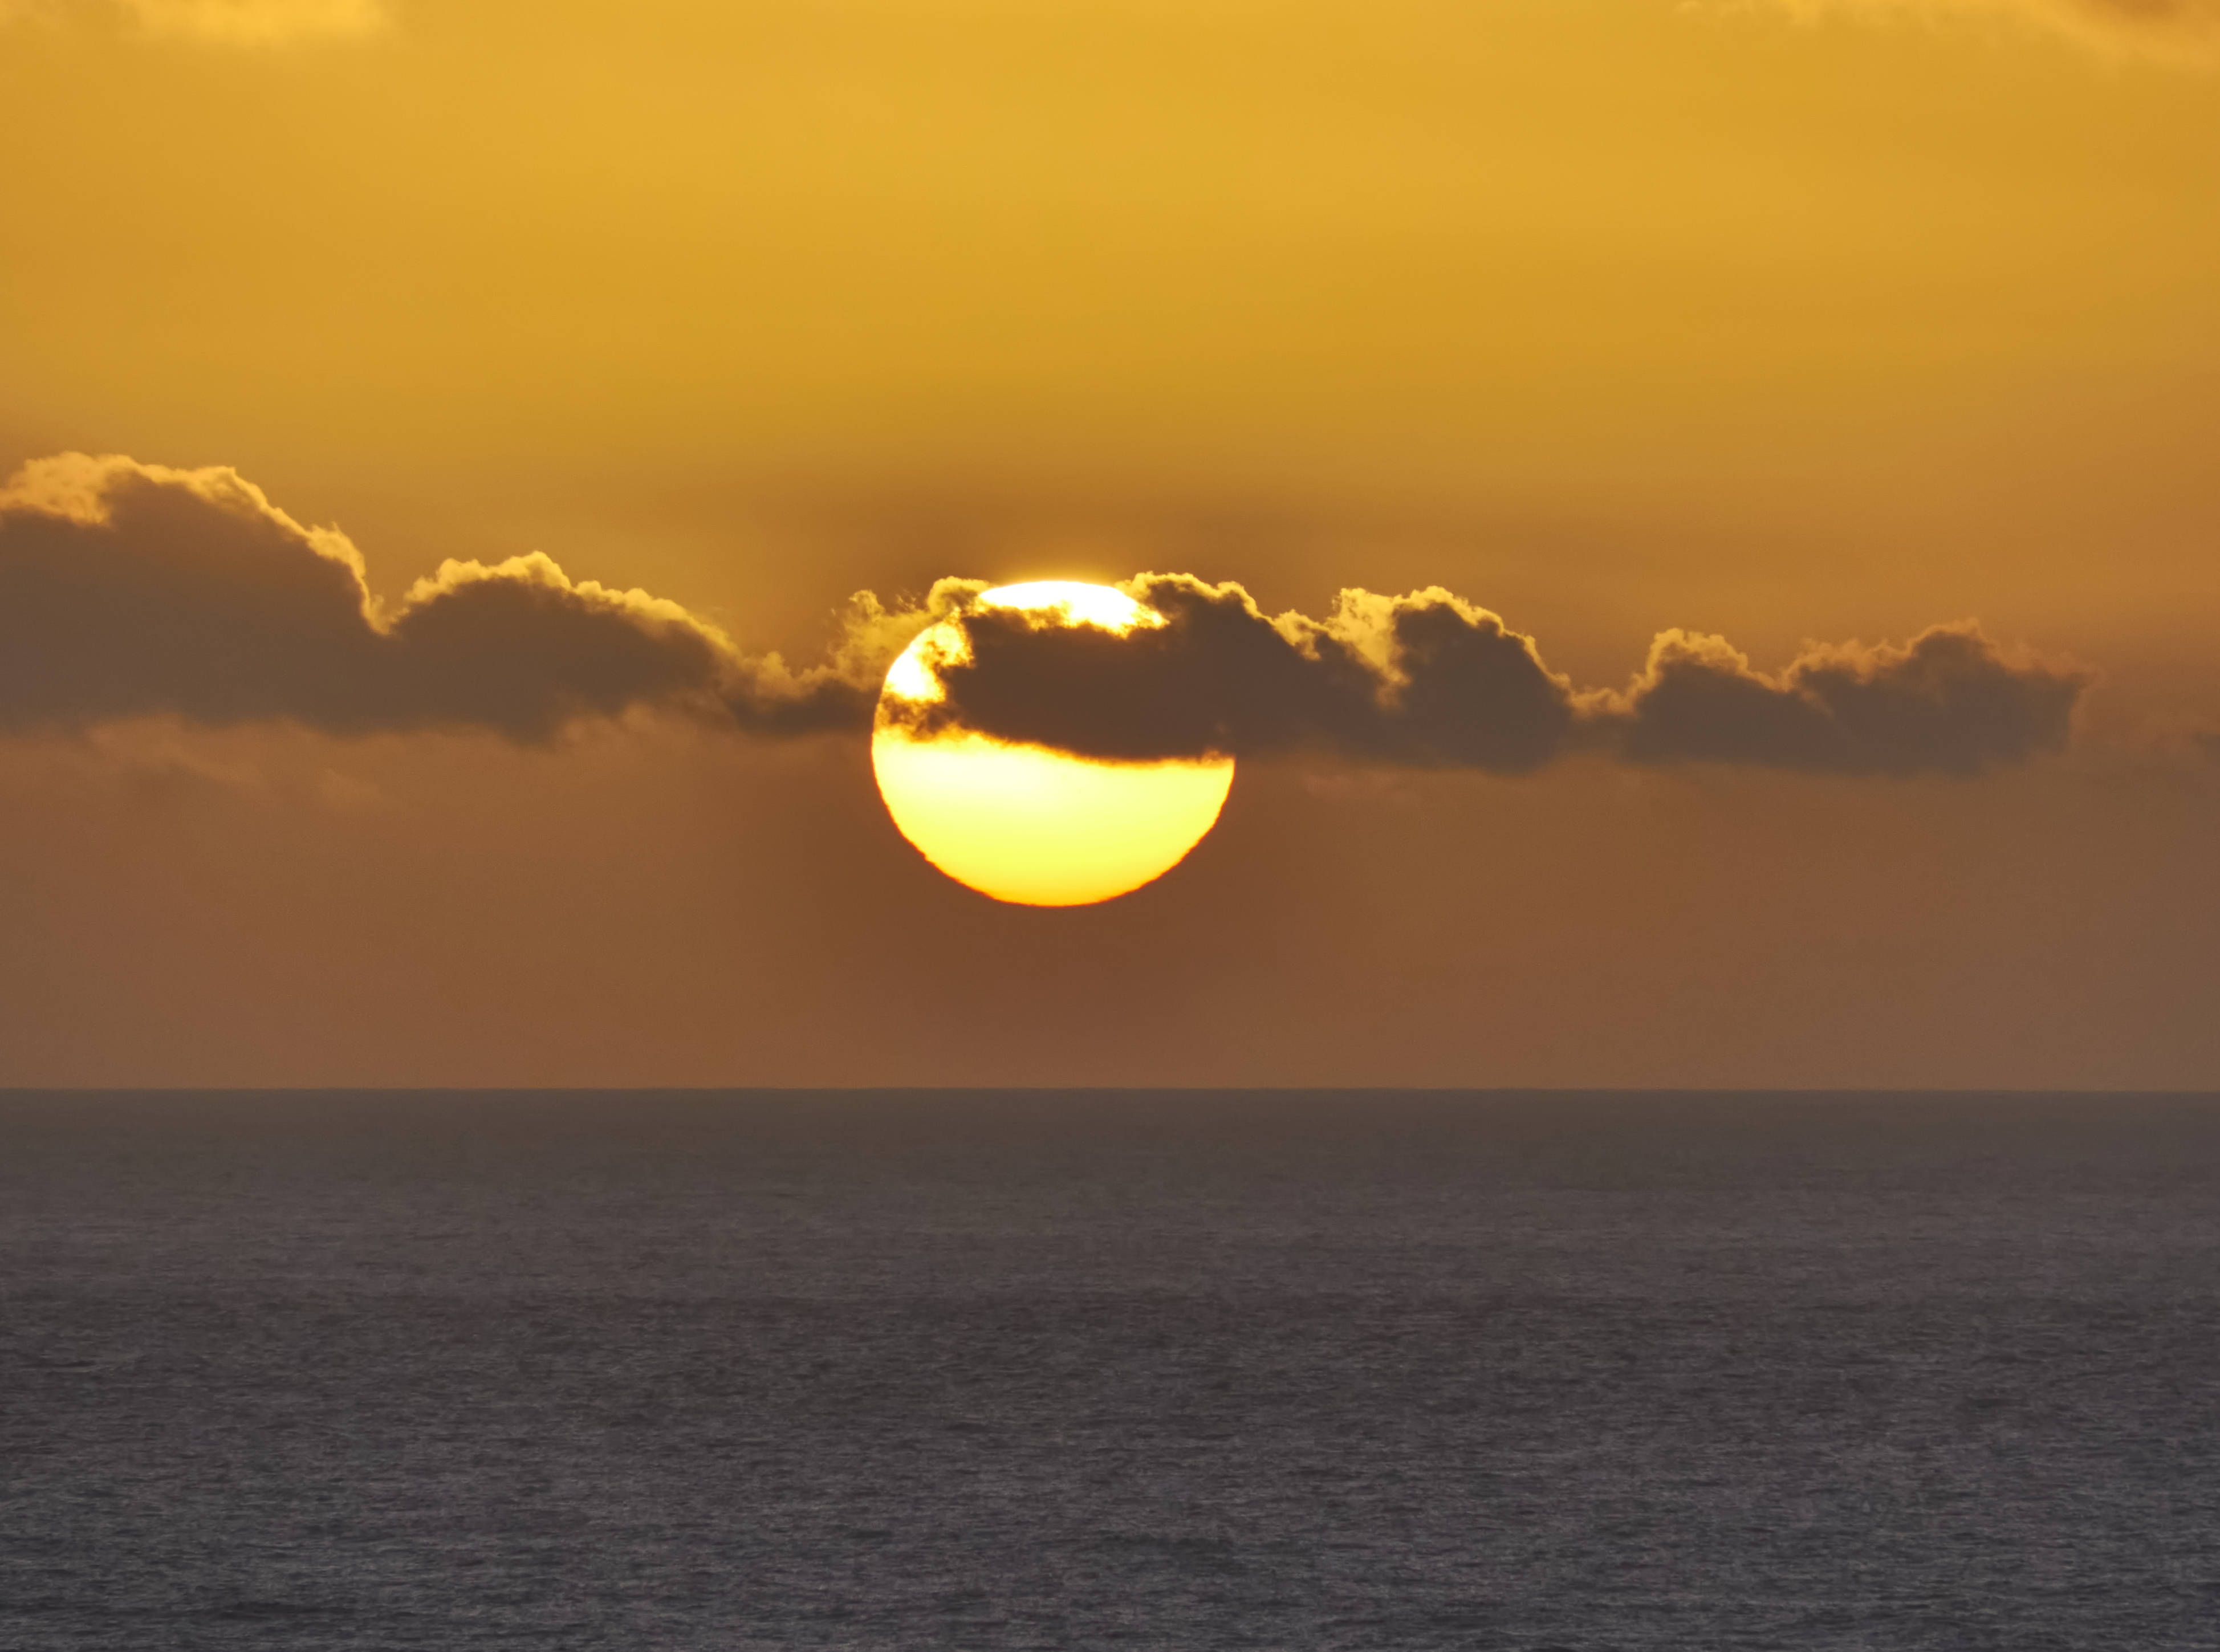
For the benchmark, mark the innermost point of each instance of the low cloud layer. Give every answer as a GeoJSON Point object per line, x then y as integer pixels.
{"type": "Point", "coordinates": [1430, 680]}
{"type": "Point", "coordinates": [2188, 29]}
{"type": "Point", "coordinates": [132, 591]}
{"type": "Point", "coordinates": [1426, 679]}
{"type": "Point", "coordinates": [1950, 701]}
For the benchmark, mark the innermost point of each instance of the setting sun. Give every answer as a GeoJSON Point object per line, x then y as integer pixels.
{"type": "Point", "coordinates": [1023, 823]}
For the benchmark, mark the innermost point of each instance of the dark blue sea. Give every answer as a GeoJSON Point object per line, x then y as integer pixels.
{"type": "Point", "coordinates": [1073, 1370]}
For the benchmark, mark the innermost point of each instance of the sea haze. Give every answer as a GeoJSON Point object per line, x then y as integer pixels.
{"type": "Point", "coordinates": [1074, 1370]}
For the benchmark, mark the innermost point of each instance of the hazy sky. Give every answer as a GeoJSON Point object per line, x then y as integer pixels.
{"type": "Point", "coordinates": [1798, 323]}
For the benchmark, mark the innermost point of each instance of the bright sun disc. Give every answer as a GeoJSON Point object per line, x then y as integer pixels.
{"type": "Point", "coordinates": [1023, 823]}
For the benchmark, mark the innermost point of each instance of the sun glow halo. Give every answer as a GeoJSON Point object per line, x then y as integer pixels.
{"type": "Point", "coordinates": [1023, 823]}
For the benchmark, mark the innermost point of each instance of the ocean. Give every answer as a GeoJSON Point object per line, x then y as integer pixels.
{"type": "Point", "coordinates": [1061, 1369]}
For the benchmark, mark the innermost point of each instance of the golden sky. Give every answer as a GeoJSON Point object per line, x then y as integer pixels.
{"type": "Point", "coordinates": [1793, 322]}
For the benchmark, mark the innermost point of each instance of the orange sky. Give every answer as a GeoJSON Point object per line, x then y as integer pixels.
{"type": "Point", "coordinates": [1785, 321]}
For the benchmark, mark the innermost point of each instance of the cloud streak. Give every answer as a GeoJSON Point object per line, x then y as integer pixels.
{"type": "Point", "coordinates": [2186, 29]}
{"type": "Point", "coordinates": [132, 591]}
{"type": "Point", "coordinates": [225, 22]}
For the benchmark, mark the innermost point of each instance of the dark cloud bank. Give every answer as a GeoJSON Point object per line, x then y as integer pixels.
{"type": "Point", "coordinates": [129, 590]}
{"type": "Point", "coordinates": [1431, 680]}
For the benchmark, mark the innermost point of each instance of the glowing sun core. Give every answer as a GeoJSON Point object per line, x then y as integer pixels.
{"type": "Point", "coordinates": [1023, 823]}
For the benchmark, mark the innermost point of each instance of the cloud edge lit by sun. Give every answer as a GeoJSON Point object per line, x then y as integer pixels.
{"type": "Point", "coordinates": [1021, 823]}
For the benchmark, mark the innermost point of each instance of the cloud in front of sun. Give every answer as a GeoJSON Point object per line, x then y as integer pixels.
{"type": "Point", "coordinates": [129, 590]}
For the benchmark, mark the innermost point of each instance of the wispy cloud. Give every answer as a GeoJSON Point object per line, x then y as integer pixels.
{"type": "Point", "coordinates": [2185, 30]}
{"type": "Point", "coordinates": [218, 22]}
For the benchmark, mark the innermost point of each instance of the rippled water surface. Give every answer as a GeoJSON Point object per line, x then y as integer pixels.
{"type": "Point", "coordinates": [563, 1371]}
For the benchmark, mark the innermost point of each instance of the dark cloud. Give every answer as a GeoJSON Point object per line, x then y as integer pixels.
{"type": "Point", "coordinates": [1431, 680]}
{"type": "Point", "coordinates": [1426, 679]}
{"type": "Point", "coordinates": [129, 590]}
{"type": "Point", "coordinates": [1950, 701]}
